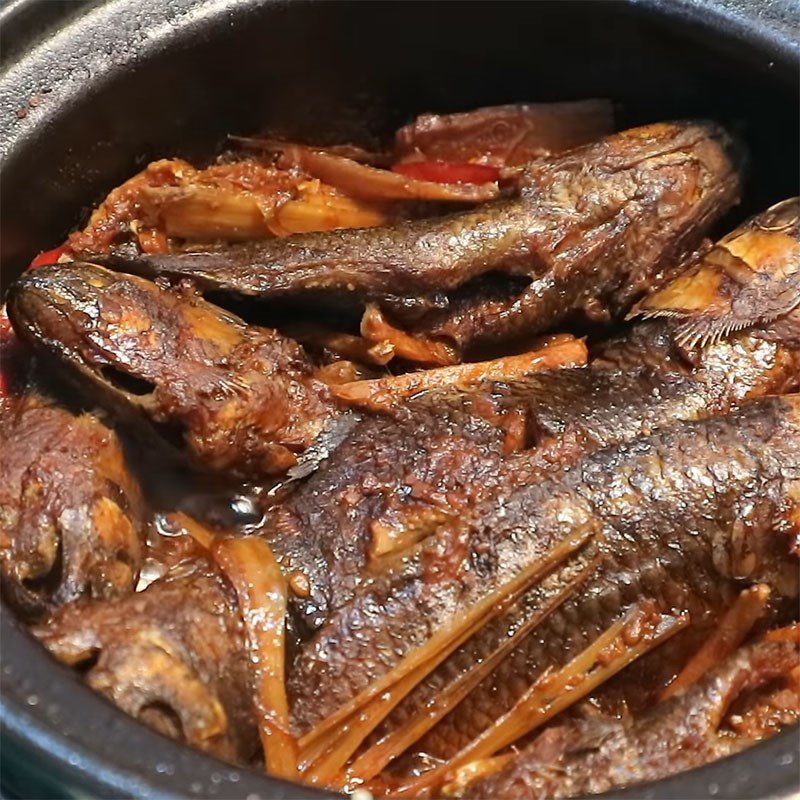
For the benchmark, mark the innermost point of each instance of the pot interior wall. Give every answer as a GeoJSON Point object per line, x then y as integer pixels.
{"type": "Point", "coordinates": [354, 71]}
{"type": "Point", "coordinates": [341, 71]}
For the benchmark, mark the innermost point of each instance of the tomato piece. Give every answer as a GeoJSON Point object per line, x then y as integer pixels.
{"type": "Point", "coordinates": [48, 257]}
{"type": "Point", "coordinates": [448, 171]}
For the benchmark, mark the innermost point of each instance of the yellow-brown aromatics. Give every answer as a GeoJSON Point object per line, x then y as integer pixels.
{"type": "Point", "coordinates": [170, 203]}
{"type": "Point", "coordinates": [260, 588]}
{"type": "Point", "coordinates": [384, 392]}
{"type": "Point", "coordinates": [732, 630]}
{"type": "Point", "coordinates": [420, 349]}
{"type": "Point", "coordinates": [367, 182]}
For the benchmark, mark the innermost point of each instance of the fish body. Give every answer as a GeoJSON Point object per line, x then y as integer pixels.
{"type": "Point", "coordinates": [691, 484]}
{"type": "Point", "coordinates": [574, 237]}
{"type": "Point", "coordinates": [405, 473]}
{"type": "Point", "coordinates": [638, 384]}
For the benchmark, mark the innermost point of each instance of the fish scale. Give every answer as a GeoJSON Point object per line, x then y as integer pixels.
{"type": "Point", "coordinates": [595, 226]}
{"type": "Point", "coordinates": [677, 569]}
{"type": "Point", "coordinates": [673, 399]}
{"type": "Point", "coordinates": [402, 610]}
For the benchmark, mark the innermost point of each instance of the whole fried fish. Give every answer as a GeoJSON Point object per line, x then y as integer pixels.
{"type": "Point", "coordinates": [592, 229]}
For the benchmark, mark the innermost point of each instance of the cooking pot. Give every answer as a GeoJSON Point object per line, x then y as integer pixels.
{"type": "Point", "coordinates": [90, 91]}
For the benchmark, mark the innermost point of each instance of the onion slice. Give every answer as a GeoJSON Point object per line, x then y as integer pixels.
{"type": "Point", "coordinates": [362, 180]}
{"type": "Point", "coordinates": [382, 393]}
{"type": "Point", "coordinates": [738, 621]}
{"type": "Point", "coordinates": [260, 588]}
{"type": "Point", "coordinates": [412, 347]}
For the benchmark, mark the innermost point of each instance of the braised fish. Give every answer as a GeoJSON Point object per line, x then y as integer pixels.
{"type": "Point", "coordinates": [172, 655]}
{"type": "Point", "coordinates": [571, 240]}
{"type": "Point", "coordinates": [241, 399]}
{"type": "Point", "coordinates": [400, 475]}
{"type": "Point", "coordinates": [665, 518]}
{"type": "Point", "coordinates": [72, 517]}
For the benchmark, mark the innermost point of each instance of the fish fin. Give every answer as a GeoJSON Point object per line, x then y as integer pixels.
{"type": "Point", "coordinates": [556, 690]}
{"type": "Point", "coordinates": [750, 277]}
{"type": "Point", "coordinates": [374, 759]}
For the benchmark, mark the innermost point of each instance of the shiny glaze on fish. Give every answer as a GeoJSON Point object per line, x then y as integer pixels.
{"type": "Point", "coordinates": [71, 514]}
{"type": "Point", "coordinates": [407, 473]}
{"type": "Point", "coordinates": [637, 383]}
{"type": "Point", "coordinates": [241, 398]}
{"type": "Point", "coordinates": [593, 228]}
{"type": "Point", "coordinates": [397, 476]}
{"type": "Point", "coordinates": [692, 483]}
{"type": "Point", "coordinates": [593, 756]}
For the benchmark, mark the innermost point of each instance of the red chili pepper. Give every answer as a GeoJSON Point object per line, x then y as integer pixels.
{"type": "Point", "coordinates": [48, 257]}
{"type": "Point", "coordinates": [448, 171]}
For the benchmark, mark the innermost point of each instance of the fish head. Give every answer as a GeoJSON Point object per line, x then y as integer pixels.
{"type": "Point", "coordinates": [750, 277]}
{"type": "Point", "coordinates": [126, 336]}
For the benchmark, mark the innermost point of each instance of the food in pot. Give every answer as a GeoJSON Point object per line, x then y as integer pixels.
{"type": "Point", "coordinates": [72, 518]}
{"type": "Point", "coordinates": [572, 239]}
{"type": "Point", "coordinates": [465, 468]}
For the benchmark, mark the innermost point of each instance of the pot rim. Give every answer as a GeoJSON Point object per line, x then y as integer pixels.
{"type": "Point", "coordinates": [44, 706]}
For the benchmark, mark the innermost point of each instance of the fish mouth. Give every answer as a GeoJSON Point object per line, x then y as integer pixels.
{"type": "Point", "coordinates": [57, 310]}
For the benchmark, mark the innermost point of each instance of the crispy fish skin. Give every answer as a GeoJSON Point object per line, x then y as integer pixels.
{"type": "Point", "coordinates": [71, 514]}
{"type": "Point", "coordinates": [618, 576]}
{"type": "Point", "coordinates": [637, 383]}
{"type": "Point", "coordinates": [442, 454]}
{"type": "Point", "coordinates": [696, 588]}
{"type": "Point", "coordinates": [438, 457]}
{"type": "Point", "coordinates": [173, 656]}
{"type": "Point", "coordinates": [661, 184]}
{"type": "Point", "coordinates": [394, 472]}
{"type": "Point", "coordinates": [693, 479]}
{"type": "Point", "coordinates": [407, 473]}
{"type": "Point", "coordinates": [686, 731]}
{"type": "Point", "coordinates": [627, 572]}
{"type": "Point", "coordinates": [650, 376]}
{"type": "Point", "coordinates": [243, 398]}
{"type": "Point", "coordinates": [577, 231]}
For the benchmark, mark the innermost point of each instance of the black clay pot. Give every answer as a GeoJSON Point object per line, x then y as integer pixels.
{"type": "Point", "coordinates": [90, 91]}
